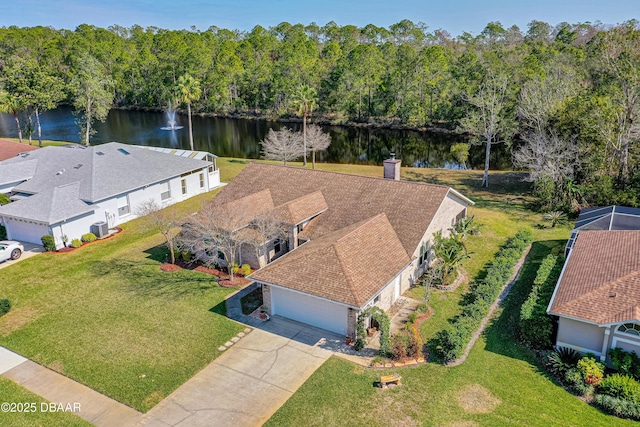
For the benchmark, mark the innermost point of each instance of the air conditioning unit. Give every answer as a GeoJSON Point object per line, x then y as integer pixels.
{"type": "Point", "coordinates": [100, 229]}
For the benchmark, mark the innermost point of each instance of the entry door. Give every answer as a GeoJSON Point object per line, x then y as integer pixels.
{"type": "Point", "coordinates": [396, 289]}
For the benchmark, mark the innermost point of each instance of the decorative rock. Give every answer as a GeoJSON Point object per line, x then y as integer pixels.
{"type": "Point", "coordinates": [228, 343]}
{"type": "Point", "coordinates": [235, 339]}
{"type": "Point", "coordinates": [421, 360]}
{"type": "Point", "coordinates": [388, 365]}
{"type": "Point", "coordinates": [222, 348]}
{"type": "Point", "coordinates": [241, 334]}
{"type": "Point", "coordinates": [247, 330]}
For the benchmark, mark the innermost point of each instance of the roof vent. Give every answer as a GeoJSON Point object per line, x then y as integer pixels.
{"type": "Point", "coordinates": [612, 294]}
{"type": "Point", "coordinates": [78, 167]}
{"type": "Point", "coordinates": [99, 153]}
{"type": "Point", "coordinates": [123, 151]}
{"type": "Point", "coordinates": [60, 172]}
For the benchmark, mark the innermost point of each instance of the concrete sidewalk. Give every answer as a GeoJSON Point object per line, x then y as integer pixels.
{"type": "Point", "coordinates": [94, 407]}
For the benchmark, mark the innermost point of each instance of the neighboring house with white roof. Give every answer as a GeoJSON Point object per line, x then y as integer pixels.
{"type": "Point", "coordinates": [63, 191]}
{"type": "Point", "coordinates": [352, 241]}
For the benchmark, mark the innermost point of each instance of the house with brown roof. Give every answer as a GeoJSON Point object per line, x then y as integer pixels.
{"type": "Point", "coordinates": [9, 149]}
{"type": "Point", "coordinates": [351, 242]}
{"type": "Point", "coordinates": [597, 298]}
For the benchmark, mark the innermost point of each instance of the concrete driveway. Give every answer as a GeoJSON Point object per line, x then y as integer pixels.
{"type": "Point", "coordinates": [30, 250]}
{"type": "Point", "coordinates": [251, 380]}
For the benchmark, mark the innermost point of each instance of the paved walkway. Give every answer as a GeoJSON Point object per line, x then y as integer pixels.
{"type": "Point", "coordinates": [96, 408]}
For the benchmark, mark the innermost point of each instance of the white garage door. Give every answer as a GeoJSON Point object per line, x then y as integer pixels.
{"type": "Point", "coordinates": [26, 231]}
{"type": "Point", "coordinates": [312, 311]}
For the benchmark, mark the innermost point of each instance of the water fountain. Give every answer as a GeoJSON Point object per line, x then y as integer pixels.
{"type": "Point", "coordinates": [171, 120]}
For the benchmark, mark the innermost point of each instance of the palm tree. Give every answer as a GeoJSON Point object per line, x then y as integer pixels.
{"type": "Point", "coordinates": [305, 99]}
{"type": "Point", "coordinates": [11, 104]}
{"type": "Point", "coordinates": [189, 91]}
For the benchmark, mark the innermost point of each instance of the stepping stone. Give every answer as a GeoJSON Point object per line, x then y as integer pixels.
{"type": "Point", "coordinates": [247, 330]}
{"type": "Point", "coordinates": [222, 348]}
{"type": "Point", "coordinates": [241, 334]}
{"type": "Point", "coordinates": [228, 343]}
{"type": "Point", "coordinates": [235, 339]}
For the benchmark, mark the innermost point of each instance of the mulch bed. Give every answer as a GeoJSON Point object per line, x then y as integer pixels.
{"type": "Point", "coordinates": [70, 249]}
{"type": "Point", "coordinates": [223, 277]}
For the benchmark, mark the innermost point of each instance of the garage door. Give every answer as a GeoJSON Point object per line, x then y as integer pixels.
{"type": "Point", "coordinates": [26, 231]}
{"type": "Point", "coordinates": [312, 311]}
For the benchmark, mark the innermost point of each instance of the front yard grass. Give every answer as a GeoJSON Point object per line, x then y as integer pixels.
{"type": "Point", "coordinates": [500, 384]}
{"type": "Point", "coordinates": [106, 315]}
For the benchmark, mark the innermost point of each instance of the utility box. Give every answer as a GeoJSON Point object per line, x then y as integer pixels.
{"type": "Point", "coordinates": [100, 229]}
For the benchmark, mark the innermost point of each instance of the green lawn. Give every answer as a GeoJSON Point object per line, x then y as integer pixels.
{"type": "Point", "coordinates": [500, 384]}
{"type": "Point", "coordinates": [107, 317]}
{"type": "Point", "coordinates": [13, 393]}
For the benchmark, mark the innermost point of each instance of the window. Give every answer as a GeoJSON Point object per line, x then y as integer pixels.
{"type": "Point", "coordinates": [123, 205]}
{"type": "Point", "coordinates": [165, 191]}
{"type": "Point", "coordinates": [277, 245]}
{"type": "Point", "coordinates": [424, 253]}
{"type": "Point", "coordinates": [630, 328]}
{"type": "Point", "coordinates": [201, 180]}
{"type": "Point", "coordinates": [376, 299]}
{"type": "Point", "coordinates": [183, 182]}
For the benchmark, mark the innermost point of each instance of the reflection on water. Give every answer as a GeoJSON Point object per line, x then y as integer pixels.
{"type": "Point", "coordinates": [240, 138]}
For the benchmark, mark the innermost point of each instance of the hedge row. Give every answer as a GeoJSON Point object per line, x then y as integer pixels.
{"type": "Point", "coordinates": [536, 326]}
{"type": "Point", "coordinates": [451, 342]}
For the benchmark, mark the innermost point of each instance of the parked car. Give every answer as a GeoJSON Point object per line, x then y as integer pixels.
{"type": "Point", "coordinates": [10, 249]}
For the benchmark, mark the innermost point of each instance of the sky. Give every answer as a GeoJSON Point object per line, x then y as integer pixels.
{"type": "Point", "coordinates": [454, 16]}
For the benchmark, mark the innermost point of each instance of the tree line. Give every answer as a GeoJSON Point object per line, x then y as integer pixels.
{"type": "Point", "coordinates": [570, 92]}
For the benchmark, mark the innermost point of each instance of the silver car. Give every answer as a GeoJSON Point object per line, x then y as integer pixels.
{"type": "Point", "coordinates": [10, 249]}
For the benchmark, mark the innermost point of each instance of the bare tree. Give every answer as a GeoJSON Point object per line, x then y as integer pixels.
{"type": "Point", "coordinates": [284, 145]}
{"type": "Point", "coordinates": [317, 140]}
{"type": "Point", "coordinates": [262, 230]}
{"type": "Point", "coordinates": [160, 220]}
{"type": "Point", "coordinates": [489, 121]}
{"type": "Point", "coordinates": [211, 233]}
{"type": "Point", "coordinates": [546, 155]}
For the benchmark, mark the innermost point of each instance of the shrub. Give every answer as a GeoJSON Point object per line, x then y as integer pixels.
{"type": "Point", "coordinates": [76, 243]}
{"type": "Point", "coordinates": [185, 256]}
{"type": "Point", "coordinates": [561, 360]}
{"type": "Point", "coordinates": [3, 232]}
{"type": "Point", "coordinates": [451, 342]}
{"type": "Point", "coordinates": [88, 238]}
{"type": "Point", "coordinates": [618, 407]}
{"type": "Point", "coordinates": [48, 242]}
{"type": "Point", "coordinates": [404, 344]}
{"type": "Point", "coordinates": [235, 268]}
{"type": "Point", "coordinates": [575, 379]}
{"type": "Point", "coordinates": [625, 362]}
{"type": "Point", "coordinates": [536, 326]}
{"type": "Point", "coordinates": [412, 317]}
{"type": "Point", "coordinates": [4, 199]}
{"type": "Point", "coordinates": [621, 386]}
{"type": "Point", "coordinates": [5, 306]}
{"type": "Point", "coordinates": [246, 270]}
{"type": "Point", "coordinates": [422, 308]}
{"type": "Point", "coordinates": [592, 371]}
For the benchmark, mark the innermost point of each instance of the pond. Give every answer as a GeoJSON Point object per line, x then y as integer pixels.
{"type": "Point", "coordinates": [240, 138]}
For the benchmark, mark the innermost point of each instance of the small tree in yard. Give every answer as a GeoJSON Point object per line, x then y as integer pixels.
{"type": "Point", "coordinates": [450, 252]}
{"type": "Point", "coordinates": [264, 229]}
{"type": "Point", "coordinates": [162, 221]}
{"type": "Point", "coordinates": [284, 145]}
{"type": "Point", "coordinates": [317, 140]}
{"type": "Point", "coordinates": [210, 233]}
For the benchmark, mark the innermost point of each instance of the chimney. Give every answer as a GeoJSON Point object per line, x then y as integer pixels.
{"type": "Point", "coordinates": [392, 167]}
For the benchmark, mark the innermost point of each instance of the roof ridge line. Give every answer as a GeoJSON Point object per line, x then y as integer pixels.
{"type": "Point", "coordinates": [347, 276]}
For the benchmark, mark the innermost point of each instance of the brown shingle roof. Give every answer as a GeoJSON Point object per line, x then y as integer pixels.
{"type": "Point", "coordinates": [296, 211]}
{"type": "Point", "coordinates": [9, 149]}
{"type": "Point", "coordinates": [601, 280]}
{"type": "Point", "coordinates": [239, 212]}
{"type": "Point", "coordinates": [341, 266]}
{"type": "Point", "coordinates": [409, 206]}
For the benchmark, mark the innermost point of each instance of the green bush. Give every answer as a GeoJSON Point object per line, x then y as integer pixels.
{"type": "Point", "coordinates": [4, 199]}
{"type": "Point", "coordinates": [536, 326]}
{"type": "Point", "coordinates": [412, 317]}
{"type": "Point", "coordinates": [88, 238]}
{"type": "Point", "coordinates": [625, 362]}
{"type": "Point", "coordinates": [575, 379]}
{"type": "Point", "coordinates": [185, 256]}
{"type": "Point", "coordinates": [561, 360]}
{"type": "Point", "coordinates": [5, 306]}
{"type": "Point", "coordinates": [449, 344]}
{"type": "Point", "coordinates": [591, 371]}
{"type": "Point", "coordinates": [621, 386]}
{"type": "Point", "coordinates": [618, 407]}
{"type": "Point", "coordinates": [76, 243]}
{"type": "Point", "coordinates": [404, 344]}
{"type": "Point", "coordinates": [48, 242]}
{"type": "Point", "coordinates": [246, 270]}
